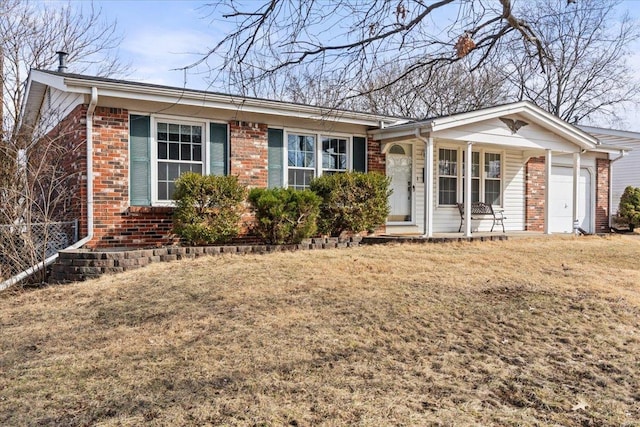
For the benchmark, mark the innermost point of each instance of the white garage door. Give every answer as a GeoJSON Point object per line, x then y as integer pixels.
{"type": "Point", "coordinates": [561, 199]}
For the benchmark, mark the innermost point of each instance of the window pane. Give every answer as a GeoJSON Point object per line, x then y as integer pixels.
{"type": "Point", "coordinates": [162, 150]}
{"type": "Point", "coordinates": [197, 153]}
{"type": "Point", "coordinates": [185, 152]}
{"type": "Point", "coordinates": [309, 143]}
{"type": "Point", "coordinates": [475, 164]}
{"type": "Point", "coordinates": [162, 191]}
{"type": "Point", "coordinates": [447, 162]}
{"type": "Point", "coordinates": [196, 134]}
{"type": "Point", "coordinates": [174, 133]}
{"type": "Point", "coordinates": [475, 190]}
{"type": "Point", "coordinates": [492, 165]}
{"type": "Point", "coordinates": [185, 133]}
{"type": "Point", "coordinates": [174, 171]}
{"type": "Point", "coordinates": [299, 179]}
{"type": "Point", "coordinates": [162, 131]}
{"type": "Point", "coordinates": [334, 154]}
{"type": "Point", "coordinates": [448, 176]}
{"type": "Point", "coordinates": [492, 192]}
{"type": "Point", "coordinates": [171, 188]}
{"type": "Point", "coordinates": [447, 191]}
{"type": "Point", "coordinates": [162, 171]}
{"type": "Point", "coordinates": [196, 169]}
{"type": "Point", "coordinates": [174, 151]}
{"type": "Point", "coordinates": [301, 151]}
{"type": "Point", "coordinates": [309, 160]}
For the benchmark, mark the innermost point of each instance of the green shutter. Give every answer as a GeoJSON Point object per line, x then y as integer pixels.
{"type": "Point", "coordinates": [275, 158]}
{"type": "Point", "coordinates": [139, 160]}
{"type": "Point", "coordinates": [359, 154]}
{"type": "Point", "coordinates": [218, 149]}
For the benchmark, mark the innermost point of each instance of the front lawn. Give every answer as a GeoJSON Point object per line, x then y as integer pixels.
{"type": "Point", "coordinates": [522, 332]}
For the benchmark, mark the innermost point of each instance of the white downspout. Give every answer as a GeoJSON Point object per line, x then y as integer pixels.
{"type": "Point", "coordinates": [576, 192]}
{"type": "Point", "coordinates": [93, 102]}
{"type": "Point", "coordinates": [611, 162]}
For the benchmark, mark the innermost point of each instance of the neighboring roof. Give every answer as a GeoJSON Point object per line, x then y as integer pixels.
{"type": "Point", "coordinates": [614, 138]}
{"type": "Point", "coordinates": [523, 108]}
{"type": "Point", "coordinates": [77, 83]}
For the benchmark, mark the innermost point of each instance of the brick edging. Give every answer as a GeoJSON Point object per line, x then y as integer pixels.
{"type": "Point", "coordinates": [83, 264]}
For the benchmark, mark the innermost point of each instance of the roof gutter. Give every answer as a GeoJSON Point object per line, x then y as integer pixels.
{"type": "Point", "coordinates": [93, 102]}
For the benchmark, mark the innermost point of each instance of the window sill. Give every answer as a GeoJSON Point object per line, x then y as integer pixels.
{"type": "Point", "coordinates": [141, 210]}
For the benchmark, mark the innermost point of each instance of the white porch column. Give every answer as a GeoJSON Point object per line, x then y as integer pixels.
{"type": "Point", "coordinates": [467, 189]}
{"type": "Point", "coordinates": [428, 188]}
{"type": "Point", "coordinates": [576, 188]}
{"type": "Point", "coordinates": [547, 192]}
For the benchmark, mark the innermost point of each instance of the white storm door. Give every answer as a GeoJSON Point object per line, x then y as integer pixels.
{"type": "Point", "coordinates": [561, 200]}
{"type": "Point", "coordinates": [399, 169]}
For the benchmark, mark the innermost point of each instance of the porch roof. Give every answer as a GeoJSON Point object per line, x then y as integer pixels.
{"type": "Point", "coordinates": [528, 112]}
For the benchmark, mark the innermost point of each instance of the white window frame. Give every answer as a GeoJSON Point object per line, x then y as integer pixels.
{"type": "Point", "coordinates": [318, 169]}
{"type": "Point", "coordinates": [154, 119]}
{"type": "Point", "coordinates": [460, 178]}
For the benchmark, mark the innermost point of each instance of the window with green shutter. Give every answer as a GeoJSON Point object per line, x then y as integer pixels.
{"type": "Point", "coordinates": [218, 149]}
{"type": "Point", "coordinates": [139, 160]}
{"type": "Point", "coordinates": [275, 158]}
{"type": "Point", "coordinates": [359, 154]}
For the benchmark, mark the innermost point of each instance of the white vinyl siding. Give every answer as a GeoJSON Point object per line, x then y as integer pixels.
{"type": "Point", "coordinates": [446, 219]}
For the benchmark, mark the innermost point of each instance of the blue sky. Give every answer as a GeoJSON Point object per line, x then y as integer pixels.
{"type": "Point", "coordinates": [160, 36]}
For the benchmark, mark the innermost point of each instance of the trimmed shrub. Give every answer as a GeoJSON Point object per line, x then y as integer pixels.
{"type": "Point", "coordinates": [352, 202]}
{"type": "Point", "coordinates": [208, 208]}
{"type": "Point", "coordinates": [284, 215]}
{"type": "Point", "coordinates": [629, 209]}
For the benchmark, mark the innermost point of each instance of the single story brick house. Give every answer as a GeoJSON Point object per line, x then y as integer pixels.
{"type": "Point", "coordinates": [129, 141]}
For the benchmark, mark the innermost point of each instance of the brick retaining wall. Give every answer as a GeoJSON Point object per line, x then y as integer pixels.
{"type": "Point", "coordinates": [83, 264]}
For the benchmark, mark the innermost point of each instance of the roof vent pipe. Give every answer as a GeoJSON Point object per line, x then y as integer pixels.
{"type": "Point", "coordinates": [62, 61]}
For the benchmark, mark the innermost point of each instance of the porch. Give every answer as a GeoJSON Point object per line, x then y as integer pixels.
{"type": "Point", "coordinates": [460, 237]}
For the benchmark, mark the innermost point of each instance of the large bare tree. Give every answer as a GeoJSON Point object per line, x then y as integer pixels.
{"type": "Point", "coordinates": [417, 59]}
{"type": "Point", "coordinates": [587, 46]}
{"type": "Point", "coordinates": [33, 177]}
{"type": "Point", "coordinates": [32, 32]}
{"type": "Point", "coordinates": [352, 42]}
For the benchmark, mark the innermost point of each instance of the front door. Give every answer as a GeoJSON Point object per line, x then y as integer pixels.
{"type": "Point", "coordinates": [399, 164]}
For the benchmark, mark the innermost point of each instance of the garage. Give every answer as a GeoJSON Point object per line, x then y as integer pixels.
{"type": "Point", "coordinates": [561, 200]}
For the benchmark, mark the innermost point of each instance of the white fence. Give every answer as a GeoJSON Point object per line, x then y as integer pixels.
{"type": "Point", "coordinates": [25, 245]}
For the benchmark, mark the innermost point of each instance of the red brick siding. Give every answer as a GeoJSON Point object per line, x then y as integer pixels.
{"type": "Point", "coordinates": [602, 195]}
{"type": "Point", "coordinates": [376, 161]}
{"type": "Point", "coordinates": [249, 153]}
{"type": "Point", "coordinates": [535, 194]}
{"type": "Point", "coordinates": [116, 224]}
{"type": "Point", "coordinates": [110, 174]}
{"type": "Point", "coordinates": [70, 139]}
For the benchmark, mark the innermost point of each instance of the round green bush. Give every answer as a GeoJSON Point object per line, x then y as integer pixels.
{"type": "Point", "coordinates": [208, 208]}
{"type": "Point", "coordinates": [629, 209]}
{"type": "Point", "coordinates": [284, 215]}
{"type": "Point", "coordinates": [352, 202]}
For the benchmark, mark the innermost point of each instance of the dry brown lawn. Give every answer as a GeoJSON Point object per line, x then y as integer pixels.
{"type": "Point", "coordinates": [523, 333]}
